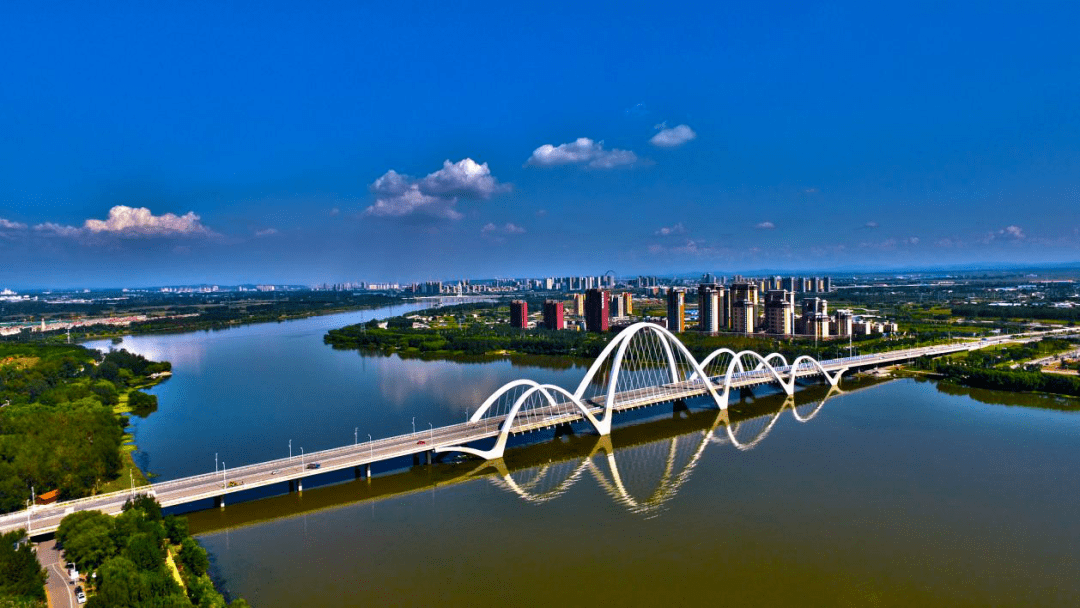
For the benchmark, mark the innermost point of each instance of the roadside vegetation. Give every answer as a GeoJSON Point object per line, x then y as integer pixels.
{"type": "Point", "coordinates": [22, 579]}
{"type": "Point", "coordinates": [139, 559]}
{"type": "Point", "coordinates": [62, 419]}
{"type": "Point", "coordinates": [992, 369]}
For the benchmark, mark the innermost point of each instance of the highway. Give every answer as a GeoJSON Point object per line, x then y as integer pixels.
{"type": "Point", "coordinates": [44, 519]}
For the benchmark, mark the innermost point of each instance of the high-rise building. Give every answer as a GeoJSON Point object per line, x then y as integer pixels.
{"type": "Point", "coordinates": [618, 306]}
{"type": "Point", "coordinates": [788, 284]}
{"type": "Point", "coordinates": [708, 308]}
{"type": "Point", "coordinates": [676, 310]}
{"type": "Point", "coordinates": [844, 319]}
{"type": "Point", "coordinates": [596, 310]}
{"type": "Point", "coordinates": [739, 291]}
{"type": "Point", "coordinates": [743, 313]}
{"type": "Point", "coordinates": [519, 314]}
{"type": "Point", "coordinates": [779, 312]}
{"type": "Point", "coordinates": [579, 304]}
{"type": "Point", "coordinates": [553, 315]}
{"type": "Point", "coordinates": [828, 284]}
{"type": "Point", "coordinates": [628, 303]}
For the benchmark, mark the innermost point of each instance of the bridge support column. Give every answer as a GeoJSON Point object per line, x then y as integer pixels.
{"type": "Point", "coordinates": [358, 472]}
{"type": "Point", "coordinates": [427, 457]}
{"type": "Point", "coordinates": [219, 502]}
{"type": "Point", "coordinates": [299, 485]}
{"type": "Point", "coordinates": [416, 460]}
{"type": "Point", "coordinates": [367, 471]}
{"type": "Point", "coordinates": [679, 406]}
{"type": "Point", "coordinates": [564, 429]}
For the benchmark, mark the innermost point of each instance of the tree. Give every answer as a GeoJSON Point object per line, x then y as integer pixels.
{"type": "Point", "coordinates": [176, 528]}
{"type": "Point", "coordinates": [142, 404]}
{"type": "Point", "coordinates": [144, 550]}
{"type": "Point", "coordinates": [193, 557]}
{"type": "Point", "coordinates": [21, 576]}
{"type": "Point", "coordinates": [145, 503]}
{"type": "Point", "coordinates": [87, 538]}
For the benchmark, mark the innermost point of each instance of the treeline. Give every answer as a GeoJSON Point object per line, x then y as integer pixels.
{"type": "Point", "coordinates": [22, 579]}
{"type": "Point", "coordinates": [1011, 380]}
{"type": "Point", "coordinates": [983, 311]}
{"type": "Point", "coordinates": [480, 340]}
{"type": "Point", "coordinates": [130, 554]}
{"type": "Point", "coordinates": [58, 429]}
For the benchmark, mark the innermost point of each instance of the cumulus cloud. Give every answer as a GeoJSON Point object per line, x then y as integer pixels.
{"type": "Point", "coordinates": [133, 222]}
{"type": "Point", "coordinates": [1012, 232]}
{"type": "Point", "coordinates": [507, 228]}
{"type": "Point", "coordinates": [435, 194]}
{"type": "Point", "coordinates": [581, 151]}
{"type": "Point", "coordinates": [671, 230]}
{"type": "Point", "coordinates": [765, 226]}
{"type": "Point", "coordinates": [10, 225]}
{"type": "Point", "coordinates": [266, 232]}
{"type": "Point", "coordinates": [673, 137]}
{"type": "Point", "coordinates": [871, 224]}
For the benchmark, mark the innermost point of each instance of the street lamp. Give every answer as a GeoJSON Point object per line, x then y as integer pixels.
{"type": "Point", "coordinates": [224, 485]}
{"type": "Point", "coordinates": [432, 436]}
{"type": "Point", "coordinates": [290, 449]}
{"type": "Point", "coordinates": [131, 476]}
{"type": "Point", "coordinates": [355, 435]}
{"type": "Point", "coordinates": [215, 462]}
{"type": "Point", "coordinates": [28, 517]}
{"type": "Point", "coordinates": [414, 425]}
{"type": "Point", "coordinates": [371, 446]}
{"type": "Point", "coordinates": [301, 458]}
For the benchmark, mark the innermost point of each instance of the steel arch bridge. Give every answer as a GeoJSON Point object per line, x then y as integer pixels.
{"type": "Point", "coordinates": [673, 460]}
{"type": "Point", "coordinates": [644, 365]}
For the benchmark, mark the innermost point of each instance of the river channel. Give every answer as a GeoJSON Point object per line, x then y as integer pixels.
{"type": "Point", "coordinates": [896, 494]}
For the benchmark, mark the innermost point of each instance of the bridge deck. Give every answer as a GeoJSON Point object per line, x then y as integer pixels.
{"type": "Point", "coordinates": [42, 519]}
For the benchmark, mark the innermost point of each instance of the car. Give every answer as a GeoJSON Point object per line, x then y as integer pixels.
{"type": "Point", "coordinates": [80, 597]}
{"type": "Point", "coordinates": [274, 472]}
{"type": "Point", "coordinates": [421, 442]}
{"type": "Point", "coordinates": [314, 465]}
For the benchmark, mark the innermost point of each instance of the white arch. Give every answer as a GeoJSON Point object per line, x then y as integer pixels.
{"type": "Point", "coordinates": [670, 343]}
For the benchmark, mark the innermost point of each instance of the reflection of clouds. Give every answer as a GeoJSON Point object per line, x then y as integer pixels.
{"type": "Point", "coordinates": [452, 386]}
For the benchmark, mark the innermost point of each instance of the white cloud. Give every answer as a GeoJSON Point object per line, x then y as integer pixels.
{"type": "Point", "coordinates": [581, 151]}
{"type": "Point", "coordinates": [436, 194]}
{"type": "Point", "coordinates": [871, 224]}
{"type": "Point", "coordinates": [134, 223]}
{"type": "Point", "coordinates": [1012, 232]}
{"type": "Point", "coordinates": [765, 226]}
{"type": "Point", "coordinates": [673, 137]}
{"type": "Point", "coordinates": [507, 228]}
{"type": "Point", "coordinates": [911, 240]}
{"type": "Point", "coordinates": [266, 232]}
{"type": "Point", "coordinates": [670, 230]}
{"type": "Point", "coordinates": [52, 229]}
{"type": "Point", "coordinates": [10, 225]}
{"type": "Point", "coordinates": [414, 202]}
{"type": "Point", "coordinates": [334, 211]}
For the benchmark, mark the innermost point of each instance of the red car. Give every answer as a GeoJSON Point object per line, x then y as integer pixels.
{"type": "Point", "coordinates": [421, 442]}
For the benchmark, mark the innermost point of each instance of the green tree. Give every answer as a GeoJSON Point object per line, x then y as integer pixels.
{"type": "Point", "coordinates": [21, 576]}
{"type": "Point", "coordinates": [193, 557]}
{"type": "Point", "coordinates": [87, 538]}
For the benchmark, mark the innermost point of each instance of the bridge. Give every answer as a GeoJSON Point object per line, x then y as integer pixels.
{"type": "Point", "coordinates": [644, 365]}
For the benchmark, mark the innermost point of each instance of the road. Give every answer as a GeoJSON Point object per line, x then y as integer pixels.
{"type": "Point", "coordinates": [61, 592]}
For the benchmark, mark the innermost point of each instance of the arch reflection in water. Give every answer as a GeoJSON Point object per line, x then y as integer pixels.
{"type": "Point", "coordinates": [616, 471]}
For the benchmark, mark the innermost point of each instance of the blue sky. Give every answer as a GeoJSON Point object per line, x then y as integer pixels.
{"type": "Point", "coordinates": [159, 143]}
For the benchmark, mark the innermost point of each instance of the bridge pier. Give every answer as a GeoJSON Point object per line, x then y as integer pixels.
{"type": "Point", "coordinates": [219, 502]}
{"type": "Point", "coordinates": [564, 428]}
{"type": "Point", "coordinates": [679, 405]}
{"type": "Point", "coordinates": [416, 460]}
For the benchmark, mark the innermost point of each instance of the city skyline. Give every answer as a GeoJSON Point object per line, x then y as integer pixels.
{"type": "Point", "coordinates": [366, 143]}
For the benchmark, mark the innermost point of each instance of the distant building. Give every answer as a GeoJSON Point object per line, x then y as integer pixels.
{"type": "Point", "coordinates": [743, 316]}
{"type": "Point", "coordinates": [676, 310]}
{"type": "Point", "coordinates": [843, 322]}
{"type": "Point", "coordinates": [579, 304]}
{"type": "Point", "coordinates": [628, 303]}
{"type": "Point", "coordinates": [553, 315]}
{"type": "Point", "coordinates": [708, 308]}
{"type": "Point", "coordinates": [828, 284]}
{"type": "Point", "coordinates": [596, 310]}
{"type": "Point", "coordinates": [740, 291]}
{"type": "Point", "coordinates": [779, 312]}
{"type": "Point", "coordinates": [617, 306]}
{"type": "Point", "coordinates": [519, 314]}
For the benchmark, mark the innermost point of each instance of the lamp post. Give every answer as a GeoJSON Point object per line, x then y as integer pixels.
{"type": "Point", "coordinates": [28, 517]}
{"type": "Point", "coordinates": [301, 458]}
{"type": "Point", "coordinates": [371, 446]}
{"type": "Point", "coordinates": [131, 476]}
{"type": "Point", "coordinates": [414, 425]}
{"type": "Point", "coordinates": [355, 435]}
{"type": "Point", "coordinates": [224, 484]}
{"type": "Point", "coordinates": [432, 436]}
{"type": "Point", "coordinates": [290, 449]}
{"type": "Point", "coordinates": [215, 462]}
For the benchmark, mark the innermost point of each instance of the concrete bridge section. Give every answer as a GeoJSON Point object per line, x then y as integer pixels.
{"type": "Point", "coordinates": [534, 407]}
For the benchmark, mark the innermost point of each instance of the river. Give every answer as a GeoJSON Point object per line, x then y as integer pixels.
{"type": "Point", "coordinates": [896, 494]}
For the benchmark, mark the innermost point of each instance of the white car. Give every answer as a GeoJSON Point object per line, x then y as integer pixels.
{"type": "Point", "coordinates": [80, 597]}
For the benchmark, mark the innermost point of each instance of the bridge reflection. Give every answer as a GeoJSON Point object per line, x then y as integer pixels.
{"type": "Point", "coordinates": [641, 466]}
